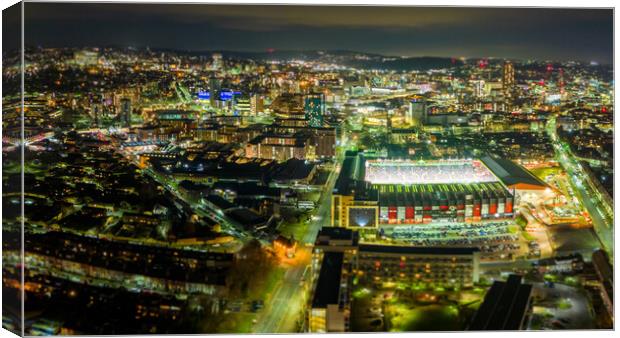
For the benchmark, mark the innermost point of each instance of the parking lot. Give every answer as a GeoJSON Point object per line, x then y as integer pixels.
{"type": "Point", "coordinates": [559, 307]}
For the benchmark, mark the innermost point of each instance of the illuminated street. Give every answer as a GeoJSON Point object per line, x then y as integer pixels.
{"type": "Point", "coordinates": [601, 220]}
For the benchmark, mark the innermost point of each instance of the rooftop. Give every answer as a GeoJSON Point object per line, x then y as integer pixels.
{"type": "Point", "coordinates": [328, 285]}
{"type": "Point", "coordinates": [417, 250]}
{"type": "Point", "coordinates": [327, 234]}
{"type": "Point", "coordinates": [504, 306]}
{"type": "Point", "coordinates": [511, 173]}
{"type": "Point", "coordinates": [293, 169]}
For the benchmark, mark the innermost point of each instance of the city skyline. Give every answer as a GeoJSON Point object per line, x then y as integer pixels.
{"type": "Point", "coordinates": [521, 33]}
{"type": "Point", "coordinates": [165, 191]}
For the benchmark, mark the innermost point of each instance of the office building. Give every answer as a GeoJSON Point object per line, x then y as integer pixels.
{"type": "Point", "coordinates": [508, 84]}
{"type": "Point", "coordinates": [416, 114]}
{"type": "Point", "coordinates": [257, 104]}
{"type": "Point", "coordinates": [242, 106]}
{"type": "Point", "coordinates": [126, 111]}
{"type": "Point", "coordinates": [288, 106]}
{"type": "Point", "coordinates": [314, 109]}
{"type": "Point", "coordinates": [325, 141]}
{"type": "Point", "coordinates": [214, 90]}
{"type": "Point", "coordinates": [479, 88]}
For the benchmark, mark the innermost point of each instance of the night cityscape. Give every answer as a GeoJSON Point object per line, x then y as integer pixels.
{"type": "Point", "coordinates": [196, 169]}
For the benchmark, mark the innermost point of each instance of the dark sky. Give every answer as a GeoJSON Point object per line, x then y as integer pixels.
{"type": "Point", "coordinates": [558, 34]}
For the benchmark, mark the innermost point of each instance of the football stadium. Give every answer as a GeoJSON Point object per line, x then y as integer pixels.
{"type": "Point", "coordinates": [374, 193]}
{"type": "Point", "coordinates": [426, 172]}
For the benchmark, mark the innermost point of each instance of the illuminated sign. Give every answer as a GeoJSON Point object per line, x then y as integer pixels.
{"type": "Point", "coordinates": [228, 95]}
{"type": "Point", "coordinates": [204, 95]}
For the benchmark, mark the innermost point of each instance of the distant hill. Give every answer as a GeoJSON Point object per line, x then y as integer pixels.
{"type": "Point", "coordinates": [352, 59]}
{"type": "Point", "coordinates": [407, 64]}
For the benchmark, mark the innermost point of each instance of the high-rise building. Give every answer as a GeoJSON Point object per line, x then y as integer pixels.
{"type": "Point", "coordinates": [126, 111]}
{"type": "Point", "coordinates": [97, 112]}
{"type": "Point", "coordinates": [257, 104]}
{"type": "Point", "coordinates": [478, 88]}
{"type": "Point", "coordinates": [214, 90]}
{"type": "Point", "coordinates": [242, 105]}
{"type": "Point", "coordinates": [314, 109]}
{"type": "Point", "coordinates": [217, 61]}
{"type": "Point", "coordinates": [508, 83]}
{"type": "Point", "coordinates": [416, 115]}
{"type": "Point", "coordinates": [330, 306]}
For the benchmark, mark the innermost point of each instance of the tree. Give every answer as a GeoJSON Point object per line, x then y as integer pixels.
{"type": "Point", "coordinates": [250, 271]}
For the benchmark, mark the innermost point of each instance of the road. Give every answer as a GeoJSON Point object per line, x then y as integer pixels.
{"type": "Point", "coordinates": [229, 226]}
{"type": "Point", "coordinates": [601, 222]}
{"type": "Point", "coordinates": [201, 209]}
{"type": "Point", "coordinates": [182, 93]}
{"type": "Point", "coordinates": [285, 307]}
{"type": "Point", "coordinates": [288, 302]}
{"type": "Point", "coordinates": [323, 212]}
